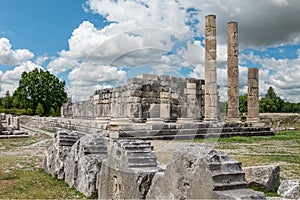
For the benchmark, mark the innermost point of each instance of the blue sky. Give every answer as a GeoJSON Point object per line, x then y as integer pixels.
{"type": "Point", "coordinates": [92, 44]}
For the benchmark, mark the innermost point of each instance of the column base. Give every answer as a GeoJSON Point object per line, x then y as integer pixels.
{"type": "Point", "coordinates": [211, 120]}
{"type": "Point", "coordinates": [185, 120]}
{"type": "Point", "coordinates": [103, 120]}
{"type": "Point", "coordinates": [252, 120]}
{"type": "Point", "coordinates": [155, 121]}
{"type": "Point", "coordinates": [238, 120]}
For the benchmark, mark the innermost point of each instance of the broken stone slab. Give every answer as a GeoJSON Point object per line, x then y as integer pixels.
{"type": "Point", "coordinates": [57, 151]}
{"type": "Point", "coordinates": [289, 189]}
{"type": "Point", "coordinates": [263, 177]}
{"type": "Point", "coordinates": [84, 163]}
{"type": "Point", "coordinates": [199, 172]}
{"type": "Point", "coordinates": [128, 171]}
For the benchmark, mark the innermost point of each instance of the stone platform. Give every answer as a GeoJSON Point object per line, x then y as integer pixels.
{"type": "Point", "coordinates": [156, 130]}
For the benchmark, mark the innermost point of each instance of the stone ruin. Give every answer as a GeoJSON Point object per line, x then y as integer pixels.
{"type": "Point", "coordinates": [10, 127]}
{"type": "Point", "coordinates": [199, 172]}
{"type": "Point", "coordinates": [129, 170]}
{"type": "Point", "coordinates": [57, 151]}
{"type": "Point", "coordinates": [164, 107]}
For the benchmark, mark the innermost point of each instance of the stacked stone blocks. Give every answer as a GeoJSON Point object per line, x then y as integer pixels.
{"type": "Point", "coordinates": [211, 87]}
{"type": "Point", "coordinates": [233, 72]}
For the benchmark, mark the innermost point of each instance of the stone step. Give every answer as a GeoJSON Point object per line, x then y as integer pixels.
{"type": "Point", "coordinates": [142, 165]}
{"type": "Point", "coordinates": [142, 160]}
{"type": "Point", "coordinates": [95, 149]}
{"type": "Point", "coordinates": [229, 177]}
{"type": "Point", "coordinates": [140, 153]}
{"type": "Point", "coordinates": [210, 135]}
{"type": "Point", "coordinates": [230, 186]}
{"type": "Point", "coordinates": [133, 146]}
{"type": "Point", "coordinates": [225, 167]}
{"type": "Point", "coordinates": [66, 143]}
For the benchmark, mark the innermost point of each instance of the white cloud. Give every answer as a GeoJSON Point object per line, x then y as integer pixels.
{"type": "Point", "coordinates": [41, 60]}
{"type": "Point", "coordinates": [12, 57]}
{"type": "Point", "coordinates": [9, 80]}
{"type": "Point", "coordinates": [160, 33]}
{"type": "Point", "coordinates": [89, 77]}
{"type": "Point", "coordinates": [282, 74]}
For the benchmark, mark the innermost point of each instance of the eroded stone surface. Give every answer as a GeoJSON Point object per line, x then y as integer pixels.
{"type": "Point", "coordinates": [253, 95]}
{"type": "Point", "coordinates": [84, 163]}
{"type": "Point", "coordinates": [57, 151]}
{"type": "Point", "coordinates": [263, 177]}
{"type": "Point", "coordinates": [233, 72]}
{"type": "Point", "coordinates": [128, 171]}
{"type": "Point", "coordinates": [289, 189]}
{"type": "Point", "coordinates": [197, 172]}
{"type": "Point", "coordinates": [211, 87]}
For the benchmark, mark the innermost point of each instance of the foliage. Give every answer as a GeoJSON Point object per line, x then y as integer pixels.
{"type": "Point", "coordinates": [52, 112]}
{"type": "Point", "coordinates": [14, 111]}
{"type": "Point", "coordinates": [40, 87]}
{"type": "Point", "coordinates": [271, 102]}
{"type": "Point", "coordinates": [39, 110]}
{"type": "Point", "coordinates": [7, 100]}
{"type": "Point", "coordinates": [243, 107]}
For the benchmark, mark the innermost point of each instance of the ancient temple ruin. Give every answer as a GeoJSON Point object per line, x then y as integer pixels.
{"type": "Point", "coordinates": [101, 147]}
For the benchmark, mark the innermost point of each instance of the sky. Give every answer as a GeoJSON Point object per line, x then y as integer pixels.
{"type": "Point", "coordinates": [94, 44]}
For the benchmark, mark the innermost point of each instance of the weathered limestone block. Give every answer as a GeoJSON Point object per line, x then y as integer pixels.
{"type": "Point", "coordinates": [233, 72]}
{"type": "Point", "coordinates": [128, 171]}
{"type": "Point", "coordinates": [289, 189]}
{"type": "Point", "coordinates": [57, 151]}
{"type": "Point", "coordinates": [211, 89]}
{"type": "Point", "coordinates": [263, 177]}
{"type": "Point", "coordinates": [253, 95]}
{"type": "Point", "coordinates": [199, 172]}
{"type": "Point", "coordinates": [84, 163]}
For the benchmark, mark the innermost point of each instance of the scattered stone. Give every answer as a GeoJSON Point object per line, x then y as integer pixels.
{"type": "Point", "coordinates": [57, 151]}
{"type": "Point", "coordinates": [197, 172]}
{"type": "Point", "coordinates": [84, 163]}
{"type": "Point", "coordinates": [263, 177]}
{"type": "Point", "coordinates": [289, 189]}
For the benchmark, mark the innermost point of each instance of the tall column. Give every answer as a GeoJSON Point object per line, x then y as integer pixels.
{"type": "Point", "coordinates": [211, 87]}
{"type": "Point", "coordinates": [233, 72]}
{"type": "Point", "coordinates": [253, 95]}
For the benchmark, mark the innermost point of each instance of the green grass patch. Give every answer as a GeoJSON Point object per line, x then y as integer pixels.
{"type": "Point", "coordinates": [267, 192]}
{"type": "Point", "coordinates": [36, 185]}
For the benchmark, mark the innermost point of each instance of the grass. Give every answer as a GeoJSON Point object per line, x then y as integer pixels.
{"type": "Point", "coordinates": [22, 176]}
{"type": "Point", "coordinates": [35, 184]}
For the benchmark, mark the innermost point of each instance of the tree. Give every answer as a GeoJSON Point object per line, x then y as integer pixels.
{"type": "Point", "coordinates": [39, 109]}
{"type": "Point", "coordinates": [7, 100]}
{"type": "Point", "coordinates": [271, 102]}
{"type": "Point", "coordinates": [40, 87]}
{"type": "Point", "coordinates": [243, 103]}
{"type": "Point", "coordinates": [52, 112]}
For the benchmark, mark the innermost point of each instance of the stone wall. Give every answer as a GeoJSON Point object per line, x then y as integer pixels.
{"type": "Point", "coordinates": [145, 97]}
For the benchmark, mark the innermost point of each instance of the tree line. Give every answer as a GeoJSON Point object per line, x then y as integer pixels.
{"type": "Point", "coordinates": [270, 103]}
{"type": "Point", "coordinates": [39, 93]}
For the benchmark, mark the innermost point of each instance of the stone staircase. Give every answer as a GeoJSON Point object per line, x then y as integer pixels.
{"type": "Point", "coordinates": [150, 131]}
{"type": "Point", "coordinates": [140, 154]}
{"type": "Point", "coordinates": [67, 139]}
{"type": "Point", "coordinates": [192, 130]}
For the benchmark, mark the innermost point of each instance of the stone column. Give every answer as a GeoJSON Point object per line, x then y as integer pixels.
{"type": "Point", "coordinates": [233, 73]}
{"type": "Point", "coordinates": [253, 95]}
{"type": "Point", "coordinates": [211, 87]}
